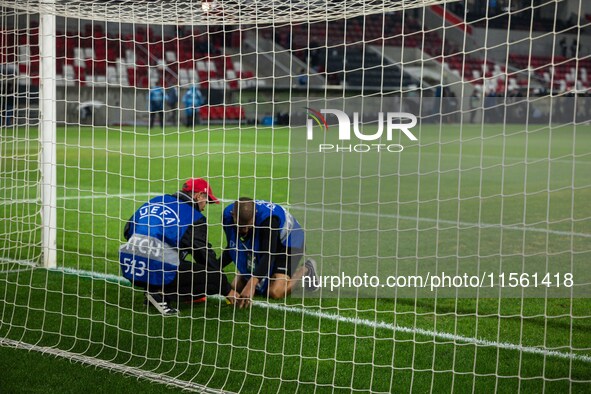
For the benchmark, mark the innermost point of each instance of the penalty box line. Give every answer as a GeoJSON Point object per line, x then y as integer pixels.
{"type": "Point", "coordinates": [374, 324]}
{"type": "Point", "coordinates": [460, 225]}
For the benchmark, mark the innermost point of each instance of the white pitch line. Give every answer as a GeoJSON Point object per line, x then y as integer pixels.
{"type": "Point", "coordinates": [115, 148]}
{"type": "Point", "coordinates": [28, 266]}
{"type": "Point", "coordinates": [15, 271]}
{"type": "Point", "coordinates": [460, 225]}
{"type": "Point", "coordinates": [428, 333]}
{"type": "Point", "coordinates": [374, 324]}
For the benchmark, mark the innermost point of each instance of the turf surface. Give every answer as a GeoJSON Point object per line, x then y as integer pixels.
{"type": "Point", "coordinates": [461, 197]}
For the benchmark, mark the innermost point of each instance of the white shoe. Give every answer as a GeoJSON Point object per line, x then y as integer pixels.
{"type": "Point", "coordinates": [159, 302]}
{"type": "Point", "coordinates": [314, 282]}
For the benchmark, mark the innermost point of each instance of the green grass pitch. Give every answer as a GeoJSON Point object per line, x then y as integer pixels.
{"type": "Point", "coordinates": [506, 196]}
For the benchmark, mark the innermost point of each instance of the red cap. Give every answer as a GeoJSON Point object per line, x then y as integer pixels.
{"type": "Point", "coordinates": [196, 185]}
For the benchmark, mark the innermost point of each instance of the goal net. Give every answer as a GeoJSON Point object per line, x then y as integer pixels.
{"type": "Point", "coordinates": [435, 153]}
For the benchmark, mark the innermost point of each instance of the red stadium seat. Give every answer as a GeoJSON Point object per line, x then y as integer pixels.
{"type": "Point", "coordinates": [131, 76]}
{"type": "Point", "coordinates": [217, 112]}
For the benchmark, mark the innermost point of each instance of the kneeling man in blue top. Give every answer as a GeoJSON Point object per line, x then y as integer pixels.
{"type": "Point", "coordinates": [266, 243]}
{"type": "Point", "coordinates": [162, 236]}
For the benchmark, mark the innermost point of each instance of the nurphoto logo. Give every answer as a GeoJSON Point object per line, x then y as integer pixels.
{"type": "Point", "coordinates": [395, 121]}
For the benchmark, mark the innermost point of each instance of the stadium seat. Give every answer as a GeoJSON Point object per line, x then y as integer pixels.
{"type": "Point", "coordinates": [232, 79]}
{"type": "Point", "coordinates": [94, 51]}
{"type": "Point", "coordinates": [217, 112]}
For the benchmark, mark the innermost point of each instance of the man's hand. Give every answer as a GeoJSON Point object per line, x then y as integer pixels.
{"type": "Point", "coordinates": [247, 293]}
{"type": "Point", "coordinates": [232, 297]}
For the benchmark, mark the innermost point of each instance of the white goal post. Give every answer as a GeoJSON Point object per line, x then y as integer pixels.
{"type": "Point", "coordinates": [48, 138]}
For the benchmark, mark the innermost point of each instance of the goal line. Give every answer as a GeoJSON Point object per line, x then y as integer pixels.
{"type": "Point", "coordinates": [374, 324]}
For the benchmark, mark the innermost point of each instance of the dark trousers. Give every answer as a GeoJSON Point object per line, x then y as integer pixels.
{"type": "Point", "coordinates": [192, 281]}
{"type": "Point", "coordinates": [192, 118]}
{"type": "Point", "coordinates": [160, 115]}
{"type": "Point", "coordinates": [6, 118]}
{"type": "Point", "coordinates": [173, 114]}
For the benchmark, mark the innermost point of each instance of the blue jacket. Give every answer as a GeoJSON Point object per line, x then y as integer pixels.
{"type": "Point", "coordinates": [172, 97]}
{"type": "Point", "coordinates": [157, 97]}
{"type": "Point", "coordinates": [151, 254]}
{"type": "Point", "coordinates": [192, 99]}
{"type": "Point", "coordinates": [247, 253]}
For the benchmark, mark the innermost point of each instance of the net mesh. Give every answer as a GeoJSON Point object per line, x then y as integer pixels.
{"type": "Point", "coordinates": [214, 12]}
{"type": "Point", "coordinates": [494, 190]}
